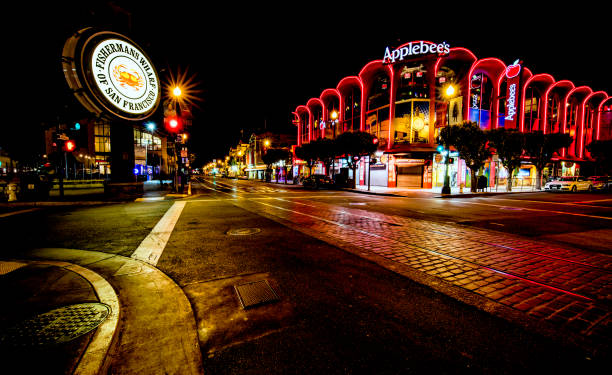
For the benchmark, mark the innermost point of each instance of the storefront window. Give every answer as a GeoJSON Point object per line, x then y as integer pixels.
{"type": "Point", "coordinates": [532, 119]}
{"type": "Point", "coordinates": [480, 100]}
{"type": "Point", "coordinates": [552, 114]}
{"type": "Point", "coordinates": [102, 137]}
{"type": "Point", "coordinates": [352, 110]}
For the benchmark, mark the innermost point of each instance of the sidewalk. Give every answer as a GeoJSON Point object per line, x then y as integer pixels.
{"type": "Point", "coordinates": [152, 191]}
{"type": "Point", "coordinates": [56, 315]}
{"type": "Point", "coordinates": [146, 324]}
{"type": "Point", "coordinates": [436, 192]}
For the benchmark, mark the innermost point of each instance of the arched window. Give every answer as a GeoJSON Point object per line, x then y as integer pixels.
{"type": "Point", "coordinates": [480, 100]}
{"type": "Point", "coordinates": [552, 113]}
{"type": "Point", "coordinates": [352, 109]}
{"type": "Point", "coordinates": [412, 105]}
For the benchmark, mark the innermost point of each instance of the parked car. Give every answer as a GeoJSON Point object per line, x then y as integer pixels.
{"type": "Point", "coordinates": [601, 182]}
{"type": "Point", "coordinates": [569, 183]}
{"type": "Point", "coordinates": [317, 181]}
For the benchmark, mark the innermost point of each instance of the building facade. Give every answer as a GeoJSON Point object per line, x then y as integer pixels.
{"type": "Point", "coordinates": [419, 87]}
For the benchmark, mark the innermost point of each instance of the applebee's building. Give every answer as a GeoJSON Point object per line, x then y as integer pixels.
{"type": "Point", "coordinates": [415, 89]}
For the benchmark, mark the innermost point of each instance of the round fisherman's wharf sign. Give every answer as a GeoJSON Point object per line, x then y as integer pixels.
{"type": "Point", "coordinates": [110, 74]}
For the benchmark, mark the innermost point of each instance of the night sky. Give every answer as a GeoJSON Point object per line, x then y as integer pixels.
{"type": "Point", "coordinates": [255, 63]}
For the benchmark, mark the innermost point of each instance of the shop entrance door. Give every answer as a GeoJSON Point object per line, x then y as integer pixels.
{"type": "Point", "coordinates": [410, 177]}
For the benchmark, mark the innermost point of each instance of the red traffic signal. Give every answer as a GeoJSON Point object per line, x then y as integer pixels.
{"type": "Point", "coordinates": [375, 140]}
{"type": "Point", "coordinates": [173, 124]}
{"type": "Point", "coordinates": [69, 145]}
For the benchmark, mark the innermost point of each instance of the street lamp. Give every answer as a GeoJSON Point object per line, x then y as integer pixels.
{"type": "Point", "coordinates": [450, 91]}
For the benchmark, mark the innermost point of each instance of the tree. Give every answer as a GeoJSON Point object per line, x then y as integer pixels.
{"type": "Point", "coordinates": [540, 147]}
{"type": "Point", "coordinates": [308, 153]}
{"type": "Point", "coordinates": [601, 151]}
{"type": "Point", "coordinates": [508, 145]}
{"type": "Point", "coordinates": [326, 150]}
{"type": "Point", "coordinates": [354, 145]}
{"type": "Point", "coordinates": [472, 144]}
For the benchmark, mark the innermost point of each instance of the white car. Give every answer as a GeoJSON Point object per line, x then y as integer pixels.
{"type": "Point", "coordinates": [569, 184]}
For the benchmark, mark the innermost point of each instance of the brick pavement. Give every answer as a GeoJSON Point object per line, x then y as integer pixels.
{"type": "Point", "coordinates": [563, 286]}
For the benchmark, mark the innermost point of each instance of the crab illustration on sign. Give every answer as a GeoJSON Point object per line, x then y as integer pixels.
{"type": "Point", "coordinates": [128, 77]}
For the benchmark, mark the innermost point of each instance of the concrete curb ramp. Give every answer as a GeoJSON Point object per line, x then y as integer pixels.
{"type": "Point", "coordinates": [157, 327]}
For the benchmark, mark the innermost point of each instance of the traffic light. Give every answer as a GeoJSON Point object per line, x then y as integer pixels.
{"type": "Point", "coordinates": [173, 124]}
{"type": "Point", "coordinates": [375, 140]}
{"type": "Point", "coordinates": [69, 145]}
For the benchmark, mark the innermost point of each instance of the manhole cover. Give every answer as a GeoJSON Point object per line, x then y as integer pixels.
{"type": "Point", "coordinates": [243, 231]}
{"type": "Point", "coordinates": [255, 293]}
{"type": "Point", "coordinates": [56, 326]}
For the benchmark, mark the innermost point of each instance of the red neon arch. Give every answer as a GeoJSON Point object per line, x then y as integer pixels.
{"type": "Point", "coordinates": [599, 111]}
{"type": "Point", "coordinates": [538, 78]}
{"type": "Point", "coordinates": [303, 108]}
{"type": "Point", "coordinates": [586, 91]}
{"type": "Point", "coordinates": [351, 81]}
{"type": "Point", "coordinates": [494, 68]}
{"type": "Point", "coordinates": [311, 104]}
{"type": "Point", "coordinates": [590, 97]}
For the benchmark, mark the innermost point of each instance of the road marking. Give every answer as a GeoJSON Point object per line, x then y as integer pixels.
{"type": "Point", "coordinates": [151, 248]}
{"type": "Point", "coordinates": [537, 209]}
{"type": "Point", "coordinates": [20, 212]}
{"type": "Point", "coordinates": [547, 202]}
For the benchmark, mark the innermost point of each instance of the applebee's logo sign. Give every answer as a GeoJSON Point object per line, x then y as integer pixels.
{"type": "Point", "coordinates": [512, 72]}
{"type": "Point", "coordinates": [511, 104]}
{"type": "Point", "coordinates": [415, 48]}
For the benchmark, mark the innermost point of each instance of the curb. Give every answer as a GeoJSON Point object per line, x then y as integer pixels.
{"type": "Point", "coordinates": [93, 359]}
{"type": "Point", "coordinates": [161, 334]}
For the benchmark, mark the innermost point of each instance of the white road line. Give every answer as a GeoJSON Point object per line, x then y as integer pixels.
{"type": "Point", "coordinates": [151, 248]}
{"type": "Point", "coordinates": [19, 212]}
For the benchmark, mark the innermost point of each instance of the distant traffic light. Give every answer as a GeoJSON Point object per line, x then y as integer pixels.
{"type": "Point", "coordinates": [375, 140]}
{"type": "Point", "coordinates": [173, 124]}
{"type": "Point", "coordinates": [69, 145]}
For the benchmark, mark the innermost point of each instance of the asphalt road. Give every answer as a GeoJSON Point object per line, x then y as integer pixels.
{"type": "Point", "coordinates": [337, 312]}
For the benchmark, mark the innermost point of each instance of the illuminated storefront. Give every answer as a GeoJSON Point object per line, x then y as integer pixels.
{"type": "Point", "coordinates": [421, 86]}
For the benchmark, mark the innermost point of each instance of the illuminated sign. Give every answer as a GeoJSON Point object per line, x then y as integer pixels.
{"type": "Point", "coordinates": [415, 49]}
{"type": "Point", "coordinates": [124, 76]}
{"type": "Point", "coordinates": [111, 75]}
{"type": "Point", "coordinates": [512, 74]}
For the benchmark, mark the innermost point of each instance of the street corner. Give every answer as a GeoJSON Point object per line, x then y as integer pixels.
{"type": "Point", "coordinates": [60, 318]}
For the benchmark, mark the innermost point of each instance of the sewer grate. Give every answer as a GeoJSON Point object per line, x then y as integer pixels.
{"type": "Point", "coordinates": [255, 293]}
{"type": "Point", "coordinates": [56, 326]}
{"type": "Point", "coordinates": [243, 231]}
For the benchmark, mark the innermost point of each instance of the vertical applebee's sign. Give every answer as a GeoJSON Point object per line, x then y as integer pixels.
{"type": "Point", "coordinates": [110, 74]}
{"type": "Point", "coordinates": [512, 94]}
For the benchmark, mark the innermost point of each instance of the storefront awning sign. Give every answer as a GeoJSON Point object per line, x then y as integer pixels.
{"type": "Point", "coordinates": [414, 49]}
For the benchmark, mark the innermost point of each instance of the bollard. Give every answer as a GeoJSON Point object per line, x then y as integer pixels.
{"type": "Point", "coordinates": [189, 188]}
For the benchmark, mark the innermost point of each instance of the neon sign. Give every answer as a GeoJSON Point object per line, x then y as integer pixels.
{"type": "Point", "coordinates": [415, 48]}
{"type": "Point", "coordinates": [513, 75]}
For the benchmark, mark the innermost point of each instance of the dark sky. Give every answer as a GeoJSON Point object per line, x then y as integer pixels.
{"type": "Point", "coordinates": [257, 62]}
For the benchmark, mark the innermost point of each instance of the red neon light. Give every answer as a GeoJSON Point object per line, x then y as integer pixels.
{"type": "Point", "coordinates": [544, 101]}
{"type": "Point", "coordinates": [489, 73]}
{"type": "Point", "coordinates": [593, 94]}
{"type": "Point", "coordinates": [599, 116]}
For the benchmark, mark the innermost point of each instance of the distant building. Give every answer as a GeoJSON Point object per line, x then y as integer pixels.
{"type": "Point", "coordinates": [415, 89]}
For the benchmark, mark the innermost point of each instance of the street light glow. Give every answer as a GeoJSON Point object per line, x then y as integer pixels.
{"type": "Point", "coordinates": [176, 91]}
{"type": "Point", "coordinates": [450, 90]}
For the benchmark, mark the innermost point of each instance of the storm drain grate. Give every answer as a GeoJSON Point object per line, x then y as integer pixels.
{"type": "Point", "coordinates": [56, 326]}
{"type": "Point", "coordinates": [255, 293]}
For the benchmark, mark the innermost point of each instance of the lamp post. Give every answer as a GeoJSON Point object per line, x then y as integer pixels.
{"type": "Point", "coordinates": [449, 92]}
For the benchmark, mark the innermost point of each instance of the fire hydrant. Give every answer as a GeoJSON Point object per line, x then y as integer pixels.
{"type": "Point", "coordinates": [461, 188]}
